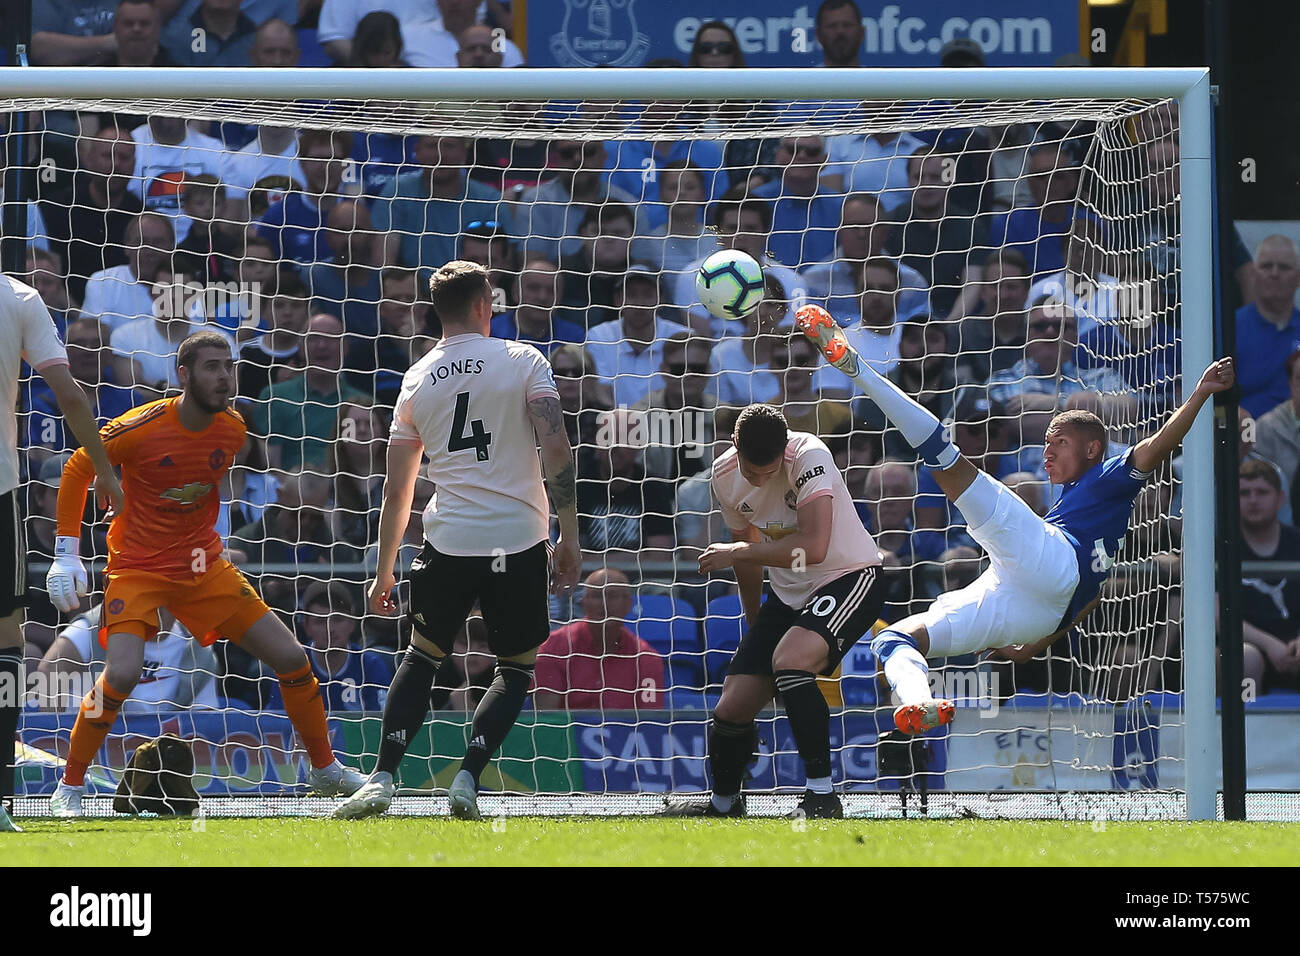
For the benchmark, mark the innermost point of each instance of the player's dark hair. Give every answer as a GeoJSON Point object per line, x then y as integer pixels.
{"type": "Point", "coordinates": [189, 351]}
{"type": "Point", "coordinates": [1255, 468]}
{"type": "Point", "coordinates": [761, 434]}
{"type": "Point", "coordinates": [1086, 424]}
{"type": "Point", "coordinates": [455, 288]}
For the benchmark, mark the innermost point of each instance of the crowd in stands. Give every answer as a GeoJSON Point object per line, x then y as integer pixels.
{"type": "Point", "coordinates": [970, 265]}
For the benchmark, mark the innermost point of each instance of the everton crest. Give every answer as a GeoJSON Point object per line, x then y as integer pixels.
{"type": "Point", "coordinates": [599, 33]}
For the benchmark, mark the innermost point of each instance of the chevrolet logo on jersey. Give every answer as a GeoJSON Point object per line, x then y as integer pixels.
{"type": "Point", "coordinates": [776, 531]}
{"type": "Point", "coordinates": [187, 494]}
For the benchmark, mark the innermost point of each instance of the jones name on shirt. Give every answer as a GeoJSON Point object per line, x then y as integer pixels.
{"type": "Point", "coordinates": [458, 367]}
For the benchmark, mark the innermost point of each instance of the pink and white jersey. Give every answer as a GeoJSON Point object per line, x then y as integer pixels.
{"type": "Point", "coordinates": [27, 334]}
{"type": "Point", "coordinates": [466, 402]}
{"type": "Point", "coordinates": [808, 471]}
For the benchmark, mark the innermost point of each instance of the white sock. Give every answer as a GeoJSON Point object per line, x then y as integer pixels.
{"type": "Point", "coordinates": [920, 429]}
{"type": "Point", "coordinates": [908, 675]}
{"type": "Point", "coordinates": [820, 784]}
{"type": "Point", "coordinates": [722, 803]}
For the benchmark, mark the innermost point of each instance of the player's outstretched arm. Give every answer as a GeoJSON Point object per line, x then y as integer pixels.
{"type": "Point", "coordinates": [76, 411]}
{"type": "Point", "coordinates": [394, 514]}
{"type": "Point", "coordinates": [561, 483]}
{"type": "Point", "coordinates": [1149, 453]}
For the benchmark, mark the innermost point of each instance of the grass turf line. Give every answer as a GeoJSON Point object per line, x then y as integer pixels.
{"type": "Point", "coordinates": [548, 842]}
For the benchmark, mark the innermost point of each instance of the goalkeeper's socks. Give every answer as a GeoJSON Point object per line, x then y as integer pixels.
{"type": "Point", "coordinates": [496, 714]}
{"type": "Point", "coordinates": [407, 706]}
{"type": "Point", "coordinates": [302, 702]}
{"type": "Point", "coordinates": [95, 718]}
{"type": "Point", "coordinates": [810, 720]}
{"type": "Point", "coordinates": [731, 747]}
{"type": "Point", "coordinates": [11, 665]}
{"type": "Point", "coordinates": [919, 428]}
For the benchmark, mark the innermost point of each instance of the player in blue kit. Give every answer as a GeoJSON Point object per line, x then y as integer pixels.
{"type": "Point", "coordinates": [1045, 574]}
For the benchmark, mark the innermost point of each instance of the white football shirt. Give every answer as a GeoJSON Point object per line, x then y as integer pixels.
{"type": "Point", "coordinates": [466, 402]}
{"type": "Point", "coordinates": [167, 661]}
{"type": "Point", "coordinates": [27, 334]}
{"type": "Point", "coordinates": [808, 471]}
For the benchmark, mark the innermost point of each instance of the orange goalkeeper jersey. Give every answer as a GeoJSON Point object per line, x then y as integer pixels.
{"type": "Point", "coordinates": [171, 479]}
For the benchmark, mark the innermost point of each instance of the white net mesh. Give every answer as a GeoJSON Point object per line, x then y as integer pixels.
{"type": "Point", "coordinates": [305, 231]}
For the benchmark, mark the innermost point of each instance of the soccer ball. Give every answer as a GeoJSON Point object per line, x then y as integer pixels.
{"type": "Point", "coordinates": [730, 284]}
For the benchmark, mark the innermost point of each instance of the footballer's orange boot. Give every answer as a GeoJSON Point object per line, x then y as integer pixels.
{"type": "Point", "coordinates": [918, 718]}
{"type": "Point", "coordinates": [823, 331]}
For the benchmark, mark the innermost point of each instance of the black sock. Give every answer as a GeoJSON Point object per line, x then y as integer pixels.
{"type": "Point", "coordinates": [11, 663]}
{"type": "Point", "coordinates": [731, 746]}
{"type": "Point", "coordinates": [449, 678]}
{"type": "Point", "coordinates": [496, 714]}
{"type": "Point", "coordinates": [407, 706]}
{"type": "Point", "coordinates": [810, 720]}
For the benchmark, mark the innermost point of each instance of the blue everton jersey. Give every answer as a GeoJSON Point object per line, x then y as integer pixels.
{"type": "Point", "coordinates": [1093, 512]}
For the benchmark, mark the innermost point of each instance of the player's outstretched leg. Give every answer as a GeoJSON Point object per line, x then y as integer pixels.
{"type": "Point", "coordinates": [920, 429]}
{"type": "Point", "coordinates": [495, 715]}
{"type": "Point", "coordinates": [908, 674]}
{"type": "Point", "coordinates": [405, 712]}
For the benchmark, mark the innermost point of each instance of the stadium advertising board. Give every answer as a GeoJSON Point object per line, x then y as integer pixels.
{"type": "Point", "coordinates": [776, 33]}
{"type": "Point", "coordinates": [237, 752]}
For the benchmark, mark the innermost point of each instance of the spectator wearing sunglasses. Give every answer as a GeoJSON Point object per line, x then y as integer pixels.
{"type": "Point", "coordinates": [805, 214]}
{"type": "Point", "coordinates": [716, 47]}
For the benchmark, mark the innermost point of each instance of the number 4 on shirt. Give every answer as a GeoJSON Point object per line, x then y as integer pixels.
{"type": "Point", "coordinates": [478, 439]}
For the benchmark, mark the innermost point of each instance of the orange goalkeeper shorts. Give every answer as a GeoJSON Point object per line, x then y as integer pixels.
{"type": "Point", "coordinates": [218, 603]}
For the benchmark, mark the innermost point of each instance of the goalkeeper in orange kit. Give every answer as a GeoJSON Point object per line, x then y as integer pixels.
{"type": "Point", "coordinates": [164, 551]}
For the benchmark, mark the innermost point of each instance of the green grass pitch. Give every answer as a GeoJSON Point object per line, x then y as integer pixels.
{"type": "Point", "coordinates": [640, 841]}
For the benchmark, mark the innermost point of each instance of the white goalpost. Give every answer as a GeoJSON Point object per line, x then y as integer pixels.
{"type": "Point", "coordinates": [1134, 730]}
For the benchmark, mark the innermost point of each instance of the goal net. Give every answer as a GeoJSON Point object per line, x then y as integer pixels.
{"type": "Point", "coordinates": [1000, 258]}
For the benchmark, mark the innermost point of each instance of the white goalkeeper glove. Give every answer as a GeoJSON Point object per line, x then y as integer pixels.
{"type": "Point", "coordinates": [67, 580]}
